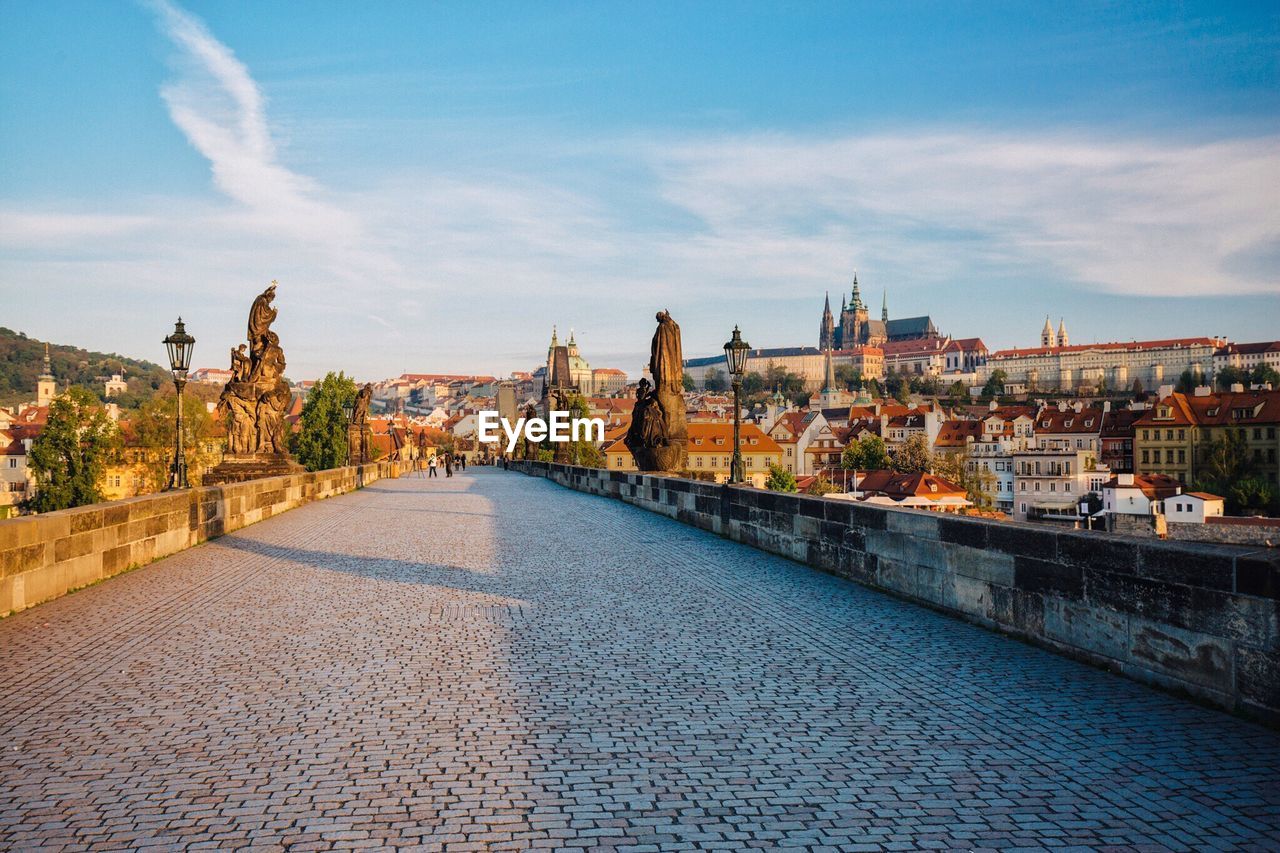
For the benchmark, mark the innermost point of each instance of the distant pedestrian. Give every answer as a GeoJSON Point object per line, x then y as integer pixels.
{"type": "Point", "coordinates": [463, 458]}
{"type": "Point", "coordinates": [431, 467]}
{"type": "Point", "coordinates": [448, 465]}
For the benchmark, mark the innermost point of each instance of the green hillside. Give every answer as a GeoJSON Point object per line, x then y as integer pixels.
{"type": "Point", "coordinates": [22, 358]}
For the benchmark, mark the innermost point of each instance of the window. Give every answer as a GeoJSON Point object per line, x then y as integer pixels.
{"type": "Point", "coordinates": [1182, 457]}
{"type": "Point", "coordinates": [698, 461]}
{"type": "Point", "coordinates": [13, 462]}
{"type": "Point", "coordinates": [1168, 456]}
{"type": "Point", "coordinates": [1168, 435]}
{"type": "Point", "coordinates": [1067, 488]}
{"type": "Point", "coordinates": [1144, 456]}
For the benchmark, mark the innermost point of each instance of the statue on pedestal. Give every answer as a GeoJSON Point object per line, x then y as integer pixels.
{"type": "Point", "coordinates": [658, 435]}
{"type": "Point", "coordinates": [358, 431]}
{"type": "Point", "coordinates": [253, 403]}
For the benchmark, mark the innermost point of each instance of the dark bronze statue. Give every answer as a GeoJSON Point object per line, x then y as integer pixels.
{"type": "Point", "coordinates": [254, 402]}
{"type": "Point", "coordinates": [358, 431]}
{"type": "Point", "coordinates": [658, 435]}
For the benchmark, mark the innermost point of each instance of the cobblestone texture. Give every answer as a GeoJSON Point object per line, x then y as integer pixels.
{"type": "Point", "coordinates": [492, 662]}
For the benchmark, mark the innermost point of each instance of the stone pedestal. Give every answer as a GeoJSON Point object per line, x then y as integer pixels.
{"type": "Point", "coordinates": [238, 467]}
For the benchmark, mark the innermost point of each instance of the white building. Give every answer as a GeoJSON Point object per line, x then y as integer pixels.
{"type": "Point", "coordinates": [1086, 367]}
{"type": "Point", "coordinates": [1049, 483]}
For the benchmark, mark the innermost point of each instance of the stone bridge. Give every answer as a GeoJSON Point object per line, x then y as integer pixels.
{"type": "Point", "coordinates": [494, 662]}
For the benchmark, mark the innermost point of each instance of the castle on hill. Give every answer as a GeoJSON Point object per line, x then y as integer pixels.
{"type": "Point", "coordinates": [856, 328]}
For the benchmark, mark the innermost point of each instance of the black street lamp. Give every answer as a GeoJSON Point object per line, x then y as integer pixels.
{"type": "Point", "coordinates": [179, 345]}
{"type": "Point", "coordinates": [348, 410]}
{"type": "Point", "coordinates": [735, 353]}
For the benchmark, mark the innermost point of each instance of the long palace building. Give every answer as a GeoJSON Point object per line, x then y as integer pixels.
{"type": "Point", "coordinates": [1057, 366]}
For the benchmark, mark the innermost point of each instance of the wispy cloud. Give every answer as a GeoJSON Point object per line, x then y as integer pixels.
{"type": "Point", "coordinates": [221, 110]}
{"type": "Point", "coordinates": [1123, 216]}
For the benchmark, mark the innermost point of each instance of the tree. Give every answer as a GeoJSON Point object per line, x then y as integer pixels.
{"type": "Point", "coordinates": [1186, 383]}
{"type": "Point", "coordinates": [1229, 376]}
{"type": "Point", "coordinates": [848, 377]}
{"type": "Point", "coordinates": [1230, 470]}
{"type": "Point", "coordinates": [1251, 495]}
{"type": "Point", "coordinates": [780, 479]}
{"type": "Point", "coordinates": [155, 426]}
{"type": "Point", "coordinates": [977, 482]}
{"type": "Point", "coordinates": [70, 456]}
{"type": "Point", "coordinates": [753, 383]}
{"type": "Point", "coordinates": [321, 440]}
{"type": "Point", "coordinates": [582, 451]}
{"type": "Point", "coordinates": [866, 454]}
{"type": "Point", "coordinates": [1138, 392]}
{"type": "Point", "coordinates": [914, 456]}
{"type": "Point", "coordinates": [714, 380]}
{"type": "Point", "coordinates": [995, 384]}
{"type": "Point", "coordinates": [821, 486]}
{"type": "Point", "coordinates": [1263, 374]}
{"type": "Point", "coordinates": [688, 382]}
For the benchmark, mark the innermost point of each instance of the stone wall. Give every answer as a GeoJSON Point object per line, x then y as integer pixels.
{"type": "Point", "coordinates": [1192, 618]}
{"type": "Point", "coordinates": [1250, 532]}
{"type": "Point", "coordinates": [46, 556]}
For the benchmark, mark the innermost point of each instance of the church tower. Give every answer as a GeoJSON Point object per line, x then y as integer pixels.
{"type": "Point", "coordinates": [1047, 337]}
{"type": "Point", "coordinates": [1062, 332]}
{"type": "Point", "coordinates": [884, 308]}
{"type": "Point", "coordinates": [827, 331]}
{"type": "Point", "coordinates": [46, 387]}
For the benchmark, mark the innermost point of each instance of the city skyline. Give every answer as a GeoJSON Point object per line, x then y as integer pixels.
{"type": "Point", "coordinates": [435, 188]}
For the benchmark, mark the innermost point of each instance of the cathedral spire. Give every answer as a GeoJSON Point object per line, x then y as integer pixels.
{"type": "Point", "coordinates": [857, 297]}
{"type": "Point", "coordinates": [829, 383]}
{"type": "Point", "coordinates": [884, 307]}
{"type": "Point", "coordinates": [47, 375]}
{"type": "Point", "coordinates": [1062, 332]}
{"type": "Point", "coordinates": [555, 342]}
{"type": "Point", "coordinates": [1047, 337]}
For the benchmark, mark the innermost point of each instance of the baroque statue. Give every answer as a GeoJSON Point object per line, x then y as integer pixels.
{"type": "Point", "coordinates": [358, 431]}
{"type": "Point", "coordinates": [254, 401]}
{"type": "Point", "coordinates": [658, 436]}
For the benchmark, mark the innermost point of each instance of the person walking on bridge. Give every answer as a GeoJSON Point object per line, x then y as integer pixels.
{"type": "Point", "coordinates": [431, 467]}
{"type": "Point", "coordinates": [448, 465]}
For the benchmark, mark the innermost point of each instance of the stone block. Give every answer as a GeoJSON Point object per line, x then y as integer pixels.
{"type": "Point", "coordinates": [811, 507]}
{"type": "Point", "coordinates": [1028, 612]}
{"type": "Point", "coordinates": [25, 558]}
{"type": "Point", "coordinates": [1023, 540]}
{"type": "Point", "coordinates": [70, 547]}
{"type": "Point", "coordinates": [1093, 629]}
{"type": "Point", "coordinates": [1098, 551]}
{"type": "Point", "coordinates": [990, 566]}
{"type": "Point", "coordinates": [867, 517]}
{"type": "Point", "coordinates": [896, 575]}
{"type": "Point", "coordinates": [1257, 676]}
{"type": "Point", "coordinates": [918, 523]}
{"type": "Point", "coordinates": [973, 597]}
{"type": "Point", "coordinates": [1046, 576]}
{"type": "Point", "coordinates": [1187, 656]}
{"type": "Point", "coordinates": [115, 560]}
{"type": "Point", "coordinates": [86, 518]}
{"type": "Point", "coordinates": [1193, 564]}
{"type": "Point", "coordinates": [936, 586]}
{"type": "Point", "coordinates": [963, 531]}
{"type": "Point", "coordinates": [903, 547]}
{"type": "Point", "coordinates": [806, 527]}
{"type": "Point", "coordinates": [1258, 573]}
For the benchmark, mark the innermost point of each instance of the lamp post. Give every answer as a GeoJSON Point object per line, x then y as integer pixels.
{"type": "Point", "coordinates": [179, 344]}
{"type": "Point", "coordinates": [348, 409]}
{"type": "Point", "coordinates": [735, 353]}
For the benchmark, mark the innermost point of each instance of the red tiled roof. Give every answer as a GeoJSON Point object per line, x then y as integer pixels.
{"type": "Point", "coordinates": [1169, 343]}
{"type": "Point", "coordinates": [898, 486]}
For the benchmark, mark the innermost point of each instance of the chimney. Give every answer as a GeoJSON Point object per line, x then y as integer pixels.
{"type": "Point", "coordinates": [1078, 406]}
{"type": "Point", "coordinates": [1124, 479]}
{"type": "Point", "coordinates": [1164, 391]}
{"type": "Point", "coordinates": [1237, 388]}
{"type": "Point", "coordinates": [1106, 406]}
{"type": "Point", "coordinates": [1202, 391]}
{"type": "Point", "coordinates": [992, 406]}
{"type": "Point", "coordinates": [1062, 405]}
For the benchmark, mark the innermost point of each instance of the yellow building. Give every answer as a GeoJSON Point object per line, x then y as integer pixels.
{"type": "Point", "coordinates": [1174, 436]}
{"type": "Point", "coordinates": [711, 452]}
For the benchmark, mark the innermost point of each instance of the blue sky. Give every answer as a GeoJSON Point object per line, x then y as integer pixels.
{"type": "Point", "coordinates": [435, 185]}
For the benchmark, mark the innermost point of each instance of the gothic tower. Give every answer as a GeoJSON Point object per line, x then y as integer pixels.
{"type": "Point", "coordinates": [1062, 332]}
{"type": "Point", "coordinates": [827, 331]}
{"type": "Point", "coordinates": [1047, 337]}
{"type": "Point", "coordinates": [884, 308]}
{"type": "Point", "coordinates": [46, 387]}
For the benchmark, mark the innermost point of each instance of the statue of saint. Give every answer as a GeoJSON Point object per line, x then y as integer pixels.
{"type": "Point", "coordinates": [239, 364]}
{"type": "Point", "coordinates": [658, 433]}
{"type": "Point", "coordinates": [360, 413]}
{"type": "Point", "coordinates": [261, 316]}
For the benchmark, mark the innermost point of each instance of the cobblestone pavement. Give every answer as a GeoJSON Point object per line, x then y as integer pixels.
{"type": "Point", "coordinates": [493, 662]}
